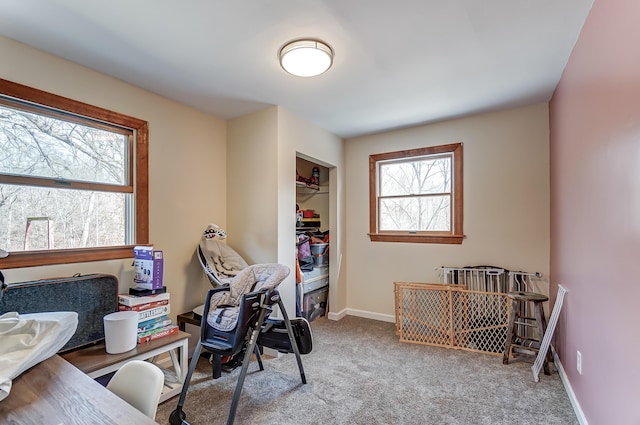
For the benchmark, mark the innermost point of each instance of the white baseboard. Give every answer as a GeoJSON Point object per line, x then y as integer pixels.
{"type": "Point", "coordinates": [337, 316]}
{"type": "Point", "coordinates": [567, 386]}
{"type": "Point", "coordinates": [361, 313]}
{"type": "Point", "coordinates": [369, 315]}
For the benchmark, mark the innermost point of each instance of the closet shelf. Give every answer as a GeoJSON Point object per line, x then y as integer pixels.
{"type": "Point", "coordinates": [307, 187]}
{"type": "Point", "coordinates": [310, 189]}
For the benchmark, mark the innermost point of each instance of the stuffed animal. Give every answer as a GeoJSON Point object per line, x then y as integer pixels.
{"type": "Point", "coordinates": [214, 231]}
{"type": "Point", "coordinates": [221, 259]}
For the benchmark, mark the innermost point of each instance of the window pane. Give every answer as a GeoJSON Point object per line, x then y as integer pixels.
{"type": "Point", "coordinates": [41, 218]}
{"type": "Point", "coordinates": [423, 176]}
{"type": "Point", "coordinates": [424, 213]}
{"type": "Point", "coordinates": [40, 146]}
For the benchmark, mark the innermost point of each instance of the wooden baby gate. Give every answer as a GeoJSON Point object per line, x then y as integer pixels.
{"type": "Point", "coordinates": [451, 316]}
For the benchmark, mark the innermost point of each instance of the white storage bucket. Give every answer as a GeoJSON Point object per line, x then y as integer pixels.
{"type": "Point", "coordinates": [319, 248]}
{"type": "Point", "coordinates": [120, 331]}
{"type": "Point", "coordinates": [320, 252]}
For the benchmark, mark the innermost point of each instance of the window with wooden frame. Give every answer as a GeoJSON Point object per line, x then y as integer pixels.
{"type": "Point", "coordinates": [73, 180]}
{"type": "Point", "coordinates": [416, 195]}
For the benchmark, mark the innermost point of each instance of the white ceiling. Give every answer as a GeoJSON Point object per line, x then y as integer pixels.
{"type": "Point", "coordinates": [397, 63]}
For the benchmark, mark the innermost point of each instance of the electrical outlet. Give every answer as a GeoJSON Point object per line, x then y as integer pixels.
{"type": "Point", "coordinates": [579, 362]}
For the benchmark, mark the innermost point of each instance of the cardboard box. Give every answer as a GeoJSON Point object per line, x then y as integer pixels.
{"type": "Point", "coordinates": [148, 267]}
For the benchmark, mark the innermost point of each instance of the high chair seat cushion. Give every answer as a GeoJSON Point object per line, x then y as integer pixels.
{"type": "Point", "coordinates": [224, 305]}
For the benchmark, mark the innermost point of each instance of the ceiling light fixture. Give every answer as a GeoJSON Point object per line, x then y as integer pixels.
{"type": "Point", "coordinates": [306, 58]}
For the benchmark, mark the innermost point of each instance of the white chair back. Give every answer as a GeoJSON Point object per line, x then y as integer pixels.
{"type": "Point", "coordinates": [139, 383]}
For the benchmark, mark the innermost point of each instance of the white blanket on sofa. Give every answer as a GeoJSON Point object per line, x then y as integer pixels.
{"type": "Point", "coordinates": [28, 339]}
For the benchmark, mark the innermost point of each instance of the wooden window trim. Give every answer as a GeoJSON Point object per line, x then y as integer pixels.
{"type": "Point", "coordinates": [51, 182]}
{"type": "Point", "coordinates": [141, 129]}
{"type": "Point", "coordinates": [456, 236]}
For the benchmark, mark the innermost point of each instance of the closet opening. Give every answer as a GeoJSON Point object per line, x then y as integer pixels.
{"type": "Point", "coordinates": [313, 238]}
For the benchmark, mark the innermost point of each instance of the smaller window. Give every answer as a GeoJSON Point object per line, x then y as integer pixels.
{"type": "Point", "coordinates": [416, 195]}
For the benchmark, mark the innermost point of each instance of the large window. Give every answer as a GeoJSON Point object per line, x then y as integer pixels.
{"type": "Point", "coordinates": [73, 180]}
{"type": "Point", "coordinates": [416, 195]}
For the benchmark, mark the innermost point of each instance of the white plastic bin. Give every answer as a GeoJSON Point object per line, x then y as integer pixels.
{"type": "Point", "coordinates": [120, 331]}
{"type": "Point", "coordinates": [320, 252]}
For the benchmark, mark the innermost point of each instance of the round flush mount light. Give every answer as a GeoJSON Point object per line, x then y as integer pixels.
{"type": "Point", "coordinates": [306, 58]}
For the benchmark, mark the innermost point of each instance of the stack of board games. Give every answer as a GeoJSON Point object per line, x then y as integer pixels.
{"type": "Point", "coordinates": [153, 314]}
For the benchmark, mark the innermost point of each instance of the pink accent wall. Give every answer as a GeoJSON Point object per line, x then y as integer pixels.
{"type": "Point", "coordinates": [595, 213]}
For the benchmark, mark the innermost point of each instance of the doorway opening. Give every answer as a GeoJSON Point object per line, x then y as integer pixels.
{"type": "Point", "coordinates": [313, 238]}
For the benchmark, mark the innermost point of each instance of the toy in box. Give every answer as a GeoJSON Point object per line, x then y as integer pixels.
{"type": "Point", "coordinates": [148, 267]}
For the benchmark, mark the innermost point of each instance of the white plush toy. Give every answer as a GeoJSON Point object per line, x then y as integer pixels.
{"type": "Point", "coordinates": [221, 259]}
{"type": "Point", "coordinates": [214, 231]}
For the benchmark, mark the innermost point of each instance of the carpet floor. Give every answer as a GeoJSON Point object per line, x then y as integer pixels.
{"type": "Point", "coordinates": [359, 373]}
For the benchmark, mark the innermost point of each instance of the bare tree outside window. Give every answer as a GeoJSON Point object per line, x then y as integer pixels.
{"type": "Point", "coordinates": [416, 195]}
{"type": "Point", "coordinates": [73, 180]}
{"type": "Point", "coordinates": [34, 147]}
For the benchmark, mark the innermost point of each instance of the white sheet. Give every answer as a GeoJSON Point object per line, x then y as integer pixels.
{"type": "Point", "coordinates": [28, 339]}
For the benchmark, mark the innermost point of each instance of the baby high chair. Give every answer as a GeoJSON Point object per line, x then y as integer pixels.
{"type": "Point", "coordinates": [235, 321]}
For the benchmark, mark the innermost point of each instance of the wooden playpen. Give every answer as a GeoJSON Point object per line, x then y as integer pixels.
{"type": "Point", "coordinates": [451, 316]}
{"type": "Point", "coordinates": [469, 310]}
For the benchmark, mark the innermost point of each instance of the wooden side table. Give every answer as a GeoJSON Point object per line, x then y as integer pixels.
{"type": "Point", "coordinates": [190, 318]}
{"type": "Point", "coordinates": [96, 362]}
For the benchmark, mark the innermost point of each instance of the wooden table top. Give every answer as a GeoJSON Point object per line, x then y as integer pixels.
{"type": "Point", "coordinates": [54, 392]}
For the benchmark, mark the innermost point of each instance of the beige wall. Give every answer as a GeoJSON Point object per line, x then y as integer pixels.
{"type": "Point", "coordinates": [506, 205]}
{"type": "Point", "coordinates": [261, 165]}
{"type": "Point", "coordinates": [302, 138]}
{"type": "Point", "coordinates": [187, 168]}
{"type": "Point", "coordinates": [252, 178]}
